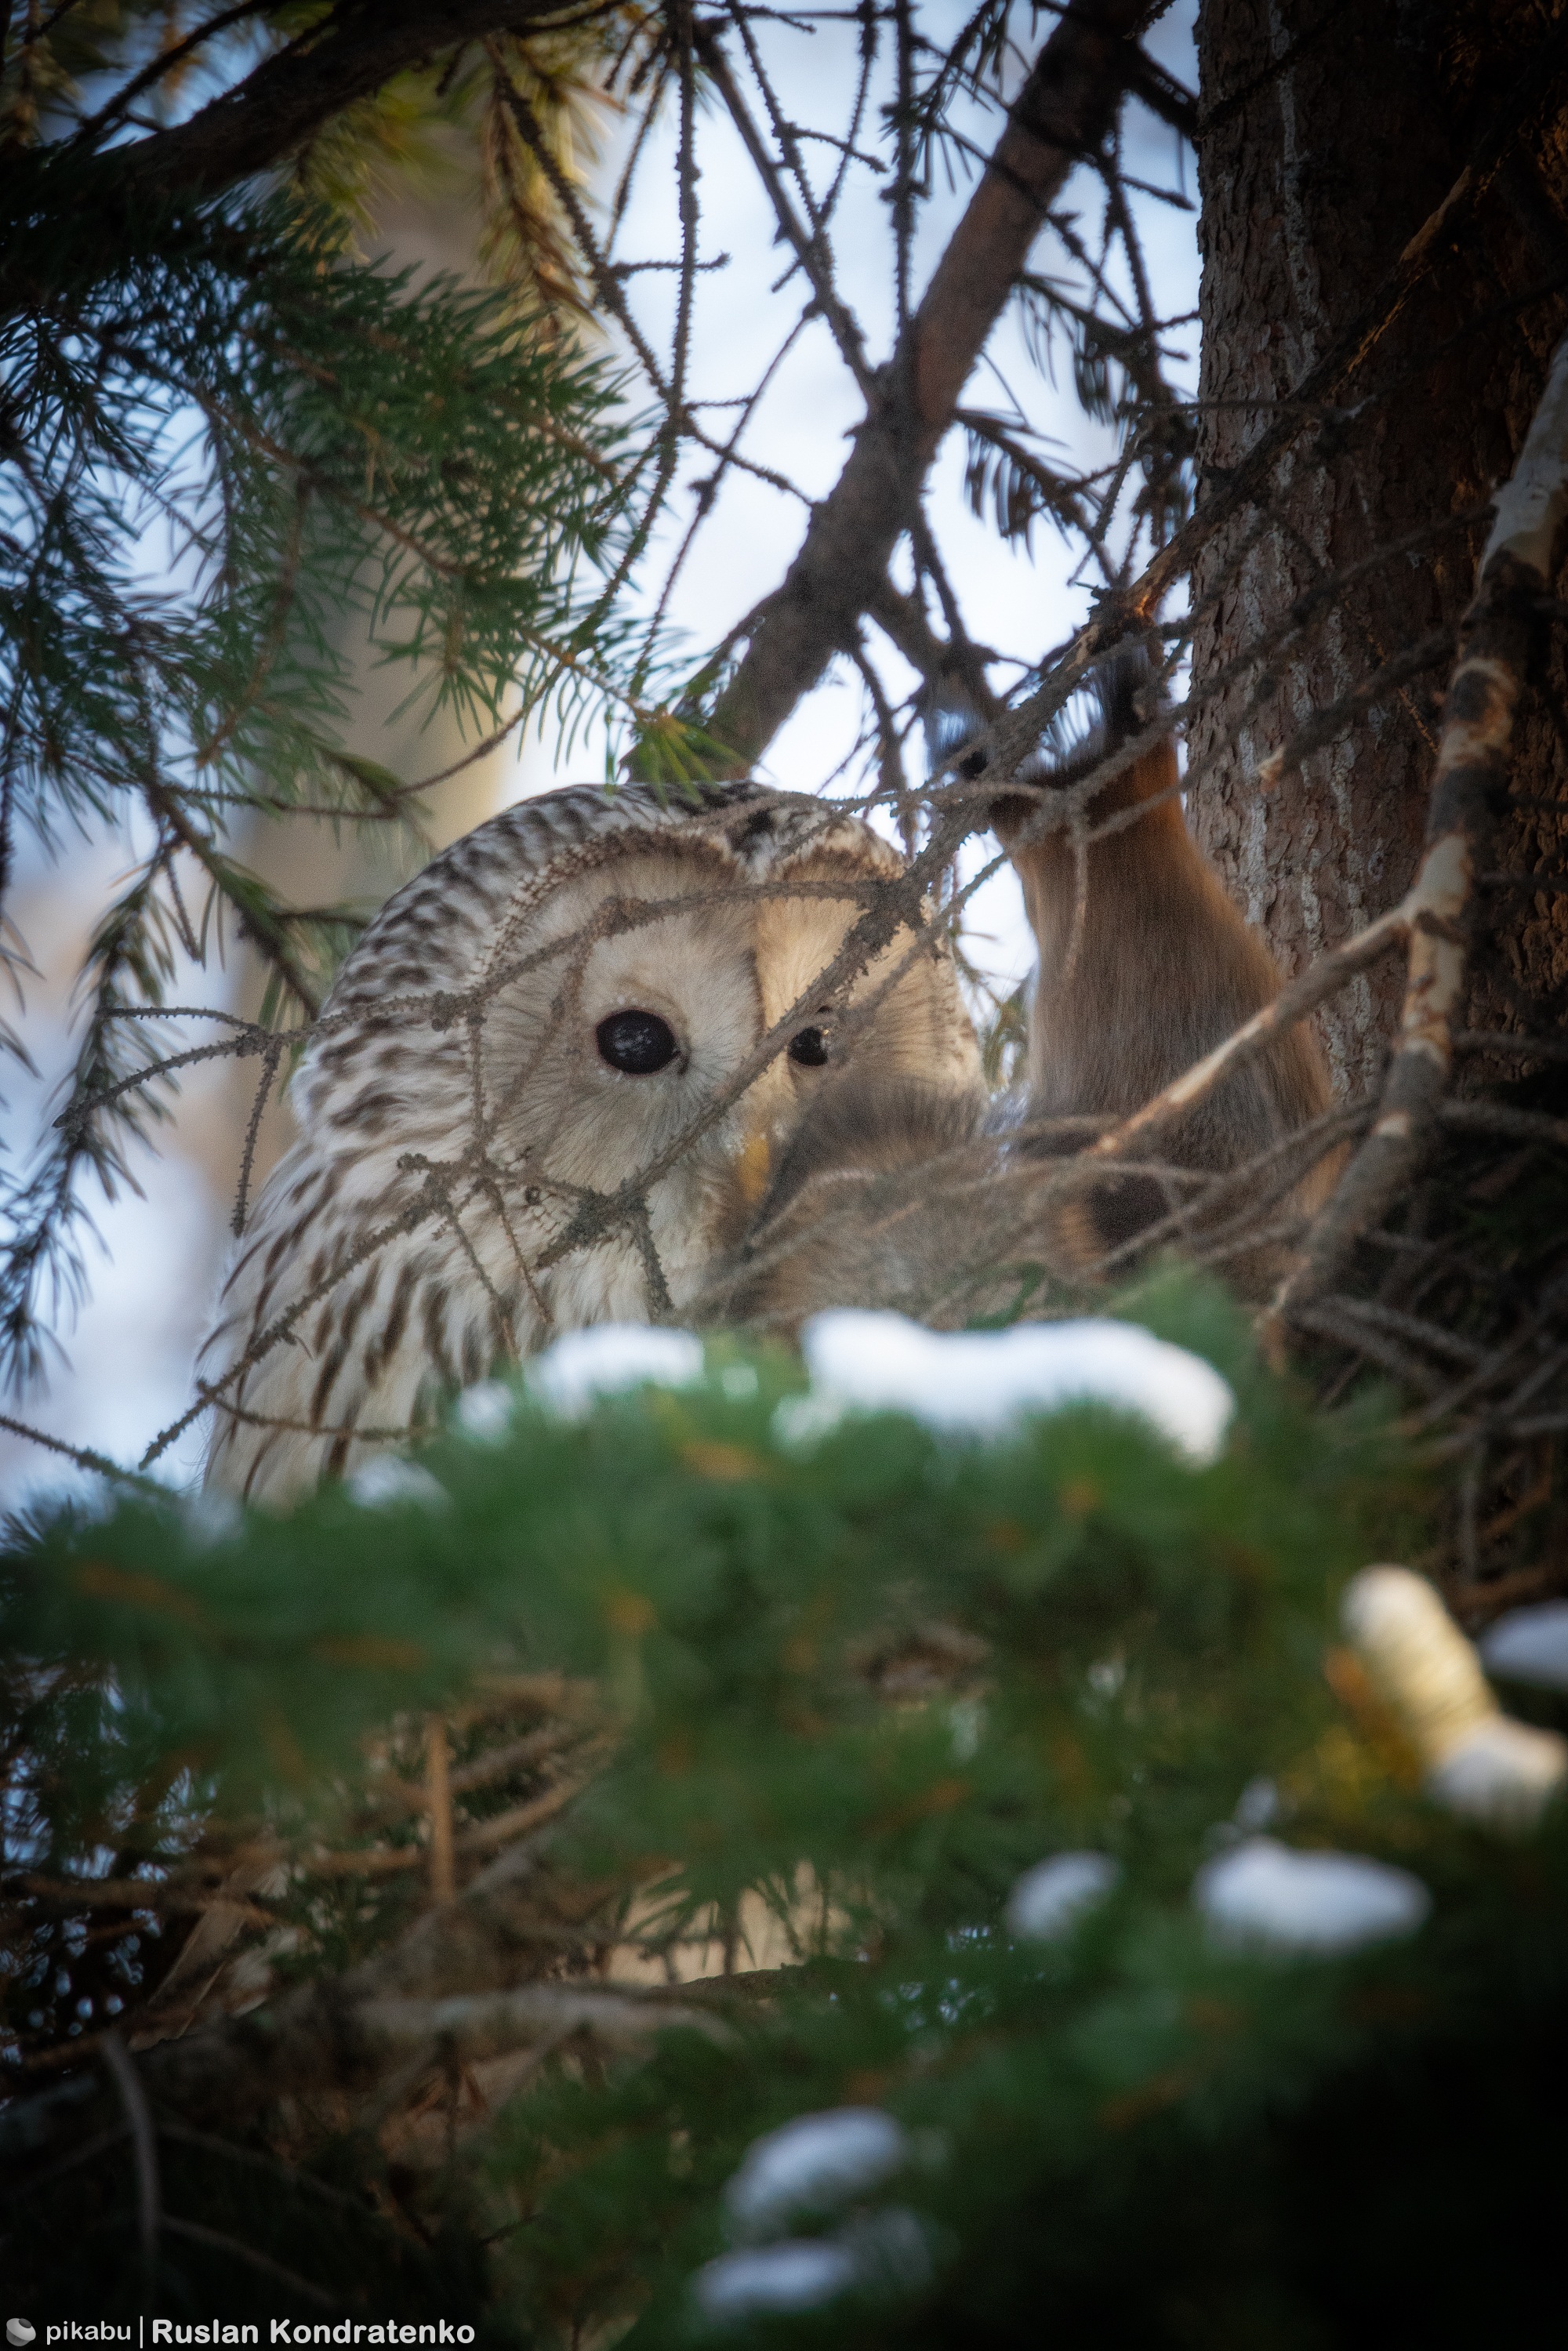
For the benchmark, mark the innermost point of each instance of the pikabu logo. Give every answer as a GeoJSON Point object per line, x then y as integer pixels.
{"type": "Point", "coordinates": [20, 2330]}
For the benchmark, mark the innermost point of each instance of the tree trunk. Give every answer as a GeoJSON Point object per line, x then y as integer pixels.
{"type": "Point", "coordinates": [1320, 163]}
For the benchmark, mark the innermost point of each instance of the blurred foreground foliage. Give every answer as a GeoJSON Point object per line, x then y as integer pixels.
{"type": "Point", "coordinates": [855, 1681]}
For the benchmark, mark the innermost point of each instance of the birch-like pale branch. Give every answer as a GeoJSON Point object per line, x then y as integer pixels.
{"type": "Point", "coordinates": [1469, 784]}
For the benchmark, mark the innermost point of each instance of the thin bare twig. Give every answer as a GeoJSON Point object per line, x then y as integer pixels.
{"type": "Point", "coordinates": [144, 2139]}
{"type": "Point", "coordinates": [438, 1806]}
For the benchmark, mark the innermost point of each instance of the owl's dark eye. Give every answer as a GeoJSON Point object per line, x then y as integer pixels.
{"type": "Point", "coordinates": [637, 1042]}
{"type": "Point", "coordinates": [810, 1047]}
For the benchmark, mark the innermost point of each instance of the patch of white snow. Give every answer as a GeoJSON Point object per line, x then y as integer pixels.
{"type": "Point", "coordinates": [984, 1383]}
{"type": "Point", "coordinates": [815, 2161]}
{"type": "Point", "coordinates": [1268, 1896]}
{"type": "Point", "coordinates": [485, 1411]}
{"type": "Point", "coordinates": [1502, 1774]}
{"type": "Point", "coordinates": [1047, 1901]}
{"type": "Point", "coordinates": [801, 2274]}
{"type": "Point", "coordinates": [1529, 1645]}
{"type": "Point", "coordinates": [608, 1359]}
{"type": "Point", "coordinates": [386, 1481]}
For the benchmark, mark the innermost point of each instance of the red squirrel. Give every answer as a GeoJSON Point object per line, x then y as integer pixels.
{"type": "Point", "coordinates": [1163, 968]}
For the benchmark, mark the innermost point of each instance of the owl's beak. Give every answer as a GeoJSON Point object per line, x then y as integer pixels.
{"type": "Point", "coordinates": [752, 1168]}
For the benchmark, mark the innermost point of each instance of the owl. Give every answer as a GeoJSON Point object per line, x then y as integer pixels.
{"type": "Point", "coordinates": [614, 1060]}
{"type": "Point", "coordinates": [538, 1097]}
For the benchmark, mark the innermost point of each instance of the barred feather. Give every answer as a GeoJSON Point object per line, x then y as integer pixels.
{"type": "Point", "coordinates": [471, 1178]}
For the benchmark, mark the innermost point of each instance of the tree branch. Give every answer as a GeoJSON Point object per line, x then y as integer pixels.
{"type": "Point", "coordinates": [445, 1981]}
{"type": "Point", "coordinates": [1063, 114]}
{"type": "Point", "coordinates": [354, 50]}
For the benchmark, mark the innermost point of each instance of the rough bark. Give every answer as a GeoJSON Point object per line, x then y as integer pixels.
{"type": "Point", "coordinates": [1499, 645]}
{"type": "Point", "coordinates": [1324, 153]}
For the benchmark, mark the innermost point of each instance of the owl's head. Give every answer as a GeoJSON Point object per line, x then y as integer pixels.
{"type": "Point", "coordinates": [581, 1038]}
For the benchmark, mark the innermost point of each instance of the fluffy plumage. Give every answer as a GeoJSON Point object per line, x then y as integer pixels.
{"type": "Point", "coordinates": [474, 1176]}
